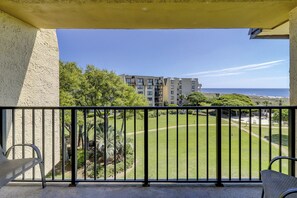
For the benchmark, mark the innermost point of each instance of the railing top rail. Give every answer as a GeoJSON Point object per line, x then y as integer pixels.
{"type": "Point", "coordinates": [145, 107]}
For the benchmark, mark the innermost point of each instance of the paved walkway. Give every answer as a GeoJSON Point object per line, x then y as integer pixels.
{"type": "Point", "coordinates": [130, 191]}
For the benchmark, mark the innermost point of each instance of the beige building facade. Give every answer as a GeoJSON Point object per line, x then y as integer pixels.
{"type": "Point", "coordinates": [149, 86]}
{"type": "Point", "coordinates": [177, 89]}
{"type": "Point", "coordinates": [160, 90]}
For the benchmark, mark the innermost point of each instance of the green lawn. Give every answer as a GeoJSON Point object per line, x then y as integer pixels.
{"type": "Point", "coordinates": [202, 147]}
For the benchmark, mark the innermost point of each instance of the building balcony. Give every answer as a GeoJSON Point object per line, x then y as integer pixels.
{"type": "Point", "coordinates": [200, 146]}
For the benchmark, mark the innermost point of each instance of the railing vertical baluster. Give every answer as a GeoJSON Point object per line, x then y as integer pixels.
{"type": "Point", "coordinates": [53, 144]}
{"type": "Point", "coordinates": [239, 142]}
{"type": "Point", "coordinates": [176, 144]}
{"type": "Point", "coordinates": [207, 145]}
{"type": "Point", "coordinates": [135, 144]}
{"type": "Point", "coordinates": [63, 144]}
{"type": "Point", "coordinates": [292, 136]}
{"type": "Point", "coordinates": [13, 131]}
{"type": "Point", "coordinates": [280, 139]}
{"type": "Point", "coordinates": [33, 140]}
{"type": "Point", "coordinates": [146, 152]}
{"type": "Point", "coordinates": [157, 144]}
{"type": "Point", "coordinates": [2, 129]}
{"type": "Point", "coordinates": [260, 142]}
{"type": "Point", "coordinates": [125, 148]}
{"type": "Point", "coordinates": [187, 140]}
{"type": "Point", "coordinates": [73, 147]}
{"type": "Point", "coordinates": [95, 144]}
{"type": "Point", "coordinates": [105, 141]}
{"type": "Point", "coordinates": [43, 136]}
{"type": "Point", "coordinates": [23, 137]}
{"type": "Point", "coordinates": [270, 136]}
{"type": "Point", "coordinates": [115, 145]}
{"type": "Point", "coordinates": [230, 144]}
{"type": "Point", "coordinates": [167, 122]}
{"type": "Point", "coordinates": [250, 144]}
{"type": "Point", "coordinates": [85, 144]}
{"type": "Point", "coordinates": [219, 147]}
{"type": "Point", "coordinates": [197, 143]}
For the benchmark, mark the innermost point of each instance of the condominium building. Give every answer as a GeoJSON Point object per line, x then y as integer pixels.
{"type": "Point", "coordinates": [177, 89]}
{"type": "Point", "coordinates": [150, 86]}
{"type": "Point", "coordinates": [160, 90]}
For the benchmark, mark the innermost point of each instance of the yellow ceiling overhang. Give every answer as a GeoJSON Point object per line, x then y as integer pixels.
{"type": "Point", "coordinates": [150, 14]}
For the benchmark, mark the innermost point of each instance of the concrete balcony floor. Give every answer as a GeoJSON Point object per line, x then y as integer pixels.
{"type": "Point", "coordinates": [129, 191]}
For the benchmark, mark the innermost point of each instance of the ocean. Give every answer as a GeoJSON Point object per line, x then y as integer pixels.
{"type": "Point", "coordinates": [274, 93]}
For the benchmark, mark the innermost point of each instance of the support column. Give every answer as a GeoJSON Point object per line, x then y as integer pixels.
{"type": "Point", "coordinates": [293, 63]}
{"type": "Point", "coordinates": [293, 57]}
{"type": "Point", "coordinates": [29, 76]}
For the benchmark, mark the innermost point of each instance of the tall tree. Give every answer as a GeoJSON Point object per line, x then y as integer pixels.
{"type": "Point", "coordinates": [94, 87]}
{"type": "Point", "coordinates": [196, 98]}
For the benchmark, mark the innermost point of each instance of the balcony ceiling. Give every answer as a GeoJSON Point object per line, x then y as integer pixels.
{"type": "Point", "coordinates": [150, 14]}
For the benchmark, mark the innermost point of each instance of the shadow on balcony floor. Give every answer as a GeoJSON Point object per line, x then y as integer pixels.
{"type": "Point", "coordinates": [130, 191]}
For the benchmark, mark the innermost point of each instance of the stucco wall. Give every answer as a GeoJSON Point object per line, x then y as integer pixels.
{"type": "Point", "coordinates": [293, 57]}
{"type": "Point", "coordinates": [29, 76]}
{"type": "Point", "coordinates": [293, 61]}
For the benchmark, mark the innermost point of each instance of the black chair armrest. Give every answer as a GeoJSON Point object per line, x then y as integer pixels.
{"type": "Point", "coordinates": [280, 158]}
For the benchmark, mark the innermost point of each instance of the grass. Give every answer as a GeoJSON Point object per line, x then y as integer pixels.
{"type": "Point", "coordinates": [179, 158]}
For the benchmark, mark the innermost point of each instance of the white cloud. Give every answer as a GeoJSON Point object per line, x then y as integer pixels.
{"type": "Point", "coordinates": [223, 74]}
{"type": "Point", "coordinates": [236, 70]}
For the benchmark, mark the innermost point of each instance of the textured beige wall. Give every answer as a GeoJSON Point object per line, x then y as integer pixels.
{"type": "Point", "coordinates": [293, 60]}
{"type": "Point", "coordinates": [29, 76]}
{"type": "Point", "coordinates": [293, 57]}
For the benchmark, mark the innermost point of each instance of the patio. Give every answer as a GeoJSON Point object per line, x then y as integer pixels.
{"type": "Point", "coordinates": [123, 191]}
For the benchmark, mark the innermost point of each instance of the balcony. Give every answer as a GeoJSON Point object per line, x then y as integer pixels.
{"type": "Point", "coordinates": [152, 145]}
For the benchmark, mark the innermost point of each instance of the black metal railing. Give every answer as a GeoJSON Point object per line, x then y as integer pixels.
{"type": "Point", "coordinates": [152, 144]}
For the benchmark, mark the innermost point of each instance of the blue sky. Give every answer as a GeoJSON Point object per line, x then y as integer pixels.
{"type": "Point", "coordinates": [219, 58]}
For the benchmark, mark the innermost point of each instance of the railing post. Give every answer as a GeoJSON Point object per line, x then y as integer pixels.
{"type": "Point", "coordinates": [292, 137]}
{"type": "Point", "coordinates": [73, 148]}
{"type": "Point", "coordinates": [146, 183]}
{"type": "Point", "coordinates": [219, 147]}
{"type": "Point", "coordinates": [1, 129]}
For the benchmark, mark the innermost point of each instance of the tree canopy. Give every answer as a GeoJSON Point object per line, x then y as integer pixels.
{"type": "Point", "coordinates": [95, 87]}
{"type": "Point", "coordinates": [196, 98]}
{"type": "Point", "coordinates": [233, 100]}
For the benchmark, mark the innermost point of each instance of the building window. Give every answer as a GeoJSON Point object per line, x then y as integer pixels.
{"type": "Point", "coordinates": [172, 98]}
{"type": "Point", "coordinates": [149, 93]}
{"type": "Point", "coordinates": [139, 87]}
{"type": "Point", "coordinates": [150, 99]}
{"type": "Point", "coordinates": [150, 87]}
{"type": "Point", "coordinates": [172, 102]}
{"type": "Point", "coordinates": [128, 80]}
{"type": "Point", "coordinates": [140, 80]}
{"type": "Point", "coordinates": [140, 92]}
{"type": "Point", "coordinates": [172, 92]}
{"type": "Point", "coordinates": [193, 87]}
{"type": "Point", "coordinates": [172, 86]}
{"type": "Point", "coordinates": [150, 81]}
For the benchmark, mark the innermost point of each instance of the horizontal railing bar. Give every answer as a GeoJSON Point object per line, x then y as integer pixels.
{"type": "Point", "coordinates": [141, 181]}
{"type": "Point", "coordinates": [151, 108]}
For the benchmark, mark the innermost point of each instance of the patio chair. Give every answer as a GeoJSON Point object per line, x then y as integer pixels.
{"type": "Point", "coordinates": [276, 184]}
{"type": "Point", "coordinates": [11, 169]}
